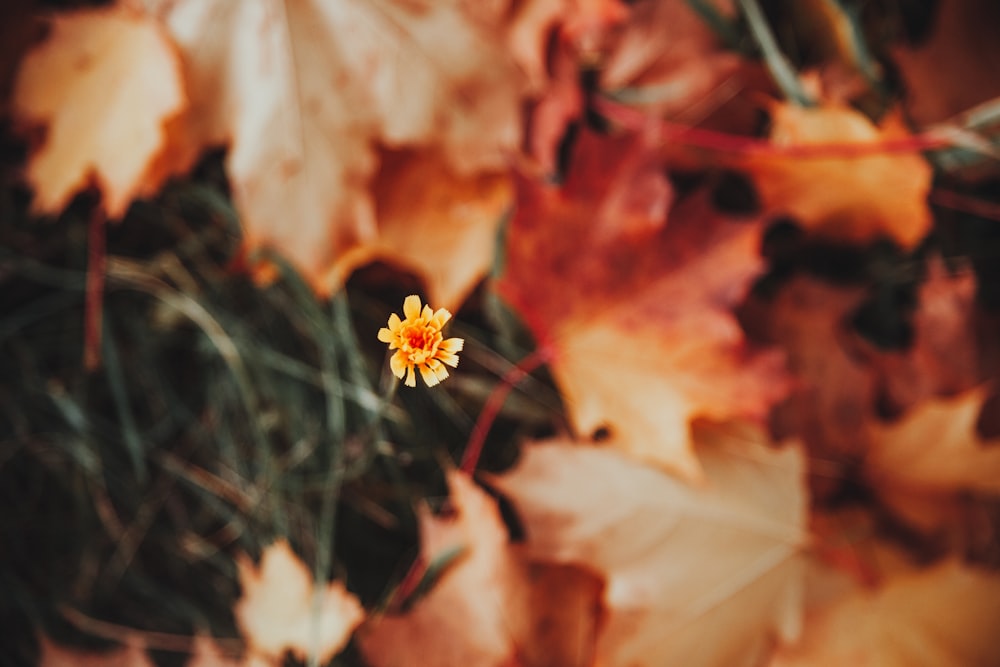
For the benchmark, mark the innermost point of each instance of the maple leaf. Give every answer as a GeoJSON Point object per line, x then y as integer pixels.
{"type": "Point", "coordinates": [475, 614]}
{"type": "Point", "coordinates": [670, 56]}
{"type": "Point", "coordinates": [304, 91]}
{"type": "Point", "coordinates": [279, 610]}
{"type": "Point", "coordinates": [579, 25]}
{"type": "Point", "coordinates": [633, 297]}
{"type": "Point", "coordinates": [936, 446]}
{"type": "Point", "coordinates": [435, 222]}
{"type": "Point", "coordinates": [955, 68]}
{"type": "Point", "coordinates": [696, 576]}
{"type": "Point", "coordinates": [132, 654]}
{"type": "Point", "coordinates": [857, 199]}
{"type": "Point", "coordinates": [945, 616]}
{"type": "Point", "coordinates": [842, 380]}
{"type": "Point", "coordinates": [565, 608]}
{"type": "Point", "coordinates": [833, 397]}
{"type": "Point", "coordinates": [944, 357]}
{"type": "Point", "coordinates": [103, 84]}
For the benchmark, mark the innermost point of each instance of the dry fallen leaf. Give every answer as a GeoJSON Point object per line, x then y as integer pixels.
{"type": "Point", "coordinates": [565, 608]}
{"type": "Point", "coordinates": [935, 446]}
{"type": "Point", "coordinates": [580, 25]}
{"type": "Point", "coordinates": [431, 220]}
{"type": "Point", "coordinates": [104, 84]}
{"type": "Point", "coordinates": [834, 393]}
{"type": "Point", "coordinates": [956, 68]}
{"type": "Point", "coordinates": [632, 293]}
{"type": "Point", "coordinates": [670, 55]}
{"type": "Point", "coordinates": [476, 614]}
{"type": "Point", "coordinates": [304, 91]}
{"type": "Point", "coordinates": [130, 655]}
{"type": "Point", "coordinates": [280, 611]}
{"type": "Point", "coordinates": [857, 199]}
{"type": "Point", "coordinates": [695, 576]}
{"type": "Point", "coordinates": [945, 616]}
{"type": "Point", "coordinates": [944, 358]}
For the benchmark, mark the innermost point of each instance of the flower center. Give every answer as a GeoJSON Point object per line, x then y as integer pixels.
{"type": "Point", "coordinates": [419, 342]}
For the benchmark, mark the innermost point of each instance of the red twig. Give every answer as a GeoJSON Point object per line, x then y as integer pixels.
{"type": "Point", "coordinates": [495, 401]}
{"type": "Point", "coordinates": [94, 297]}
{"type": "Point", "coordinates": [408, 584]}
{"type": "Point", "coordinates": [734, 143]}
{"type": "Point", "coordinates": [473, 450]}
{"type": "Point", "coordinates": [966, 204]}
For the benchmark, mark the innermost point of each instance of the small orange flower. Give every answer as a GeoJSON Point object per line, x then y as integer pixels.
{"type": "Point", "coordinates": [419, 344]}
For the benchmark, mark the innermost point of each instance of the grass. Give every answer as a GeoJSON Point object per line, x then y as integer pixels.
{"type": "Point", "coordinates": [224, 414]}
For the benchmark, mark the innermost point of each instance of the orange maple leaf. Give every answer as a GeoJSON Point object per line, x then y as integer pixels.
{"type": "Point", "coordinates": [632, 292]}
{"type": "Point", "coordinates": [935, 446]}
{"type": "Point", "coordinates": [435, 222]}
{"type": "Point", "coordinates": [856, 199]}
{"type": "Point", "coordinates": [104, 84]}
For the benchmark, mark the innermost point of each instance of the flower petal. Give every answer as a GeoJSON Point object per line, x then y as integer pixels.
{"type": "Point", "coordinates": [448, 358]}
{"type": "Point", "coordinates": [411, 378]}
{"type": "Point", "coordinates": [440, 372]}
{"type": "Point", "coordinates": [427, 313]}
{"type": "Point", "coordinates": [385, 335]}
{"type": "Point", "coordinates": [394, 323]}
{"type": "Point", "coordinates": [441, 317]}
{"type": "Point", "coordinates": [411, 307]}
{"type": "Point", "coordinates": [452, 345]}
{"type": "Point", "coordinates": [398, 364]}
{"type": "Point", "coordinates": [428, 375]}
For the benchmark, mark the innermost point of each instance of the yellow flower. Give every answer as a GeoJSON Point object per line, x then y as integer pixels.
{"type": "Point", "coordinates": [419, 344]}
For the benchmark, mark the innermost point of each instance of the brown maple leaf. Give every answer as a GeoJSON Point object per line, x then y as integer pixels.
{"type": "Point", "coordinates": [670, 57]}
{"type": "Point", "coordinates": [697, 576]}
{"type": "Point", "coordinates": [834, 394]}
{"type": "Point", "coordinates": [945, 356]}
{"type": "Point", "coordinates": [843, 383]}
{"type": "Point", "coordinates": [956, 67]}
{"type": "Point", "coordinates": [104, 85]}
{"type": "Point", "coordinates": [632, 293]}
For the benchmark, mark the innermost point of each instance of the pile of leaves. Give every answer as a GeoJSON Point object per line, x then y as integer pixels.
{"type": "Point", "coordinates": [725, 273]}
